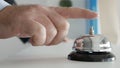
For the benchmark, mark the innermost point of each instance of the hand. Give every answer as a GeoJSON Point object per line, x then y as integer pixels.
{"type": "Point", "coordinates": [44, 25]}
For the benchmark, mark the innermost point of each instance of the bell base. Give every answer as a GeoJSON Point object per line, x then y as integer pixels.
{"type": "Point", "coordinates": [92, 56]}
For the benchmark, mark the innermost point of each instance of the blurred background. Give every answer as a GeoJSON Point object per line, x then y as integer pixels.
{"type": "Point", "coordinates": [109, 18]}
{"type": "Point", "coordinates": [108, 13]}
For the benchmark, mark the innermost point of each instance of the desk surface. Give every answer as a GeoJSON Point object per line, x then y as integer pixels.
{"type": "Point", "coordinates": [54, 57]}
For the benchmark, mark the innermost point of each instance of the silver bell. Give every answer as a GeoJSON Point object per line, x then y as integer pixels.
{"type": "Point", "coordinates": [92, 43]}
{"type": "Point", "coordinates": [92, 48]}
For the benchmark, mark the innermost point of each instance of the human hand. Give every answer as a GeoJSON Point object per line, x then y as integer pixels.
{"type": "Point", "coordinates": [44, 25]}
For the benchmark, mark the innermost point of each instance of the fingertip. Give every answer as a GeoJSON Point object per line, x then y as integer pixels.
{"type": "Point", "coordinates": [91, 15]}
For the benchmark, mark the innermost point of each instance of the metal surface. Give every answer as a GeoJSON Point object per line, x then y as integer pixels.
{"type": "Point", "coordinates": [92, 48]}
{"type": "Point", "coordinates": [92, 43]}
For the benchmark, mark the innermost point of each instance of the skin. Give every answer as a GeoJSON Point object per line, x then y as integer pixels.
{"type": "Point", "coordinates": [44, 25]}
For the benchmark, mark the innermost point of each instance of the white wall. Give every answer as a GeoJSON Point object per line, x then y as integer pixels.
{"type": "Point", "coordinates": [108, 15]}
{"type": "Point", "coordinates": [110, 19]}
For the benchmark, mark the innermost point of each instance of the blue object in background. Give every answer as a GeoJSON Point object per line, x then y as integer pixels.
{"type": "Point", "coordinates": [93, 6]}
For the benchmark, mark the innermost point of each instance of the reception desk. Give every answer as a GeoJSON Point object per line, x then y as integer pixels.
{"type": "Point", "coordinates": [54, 57]}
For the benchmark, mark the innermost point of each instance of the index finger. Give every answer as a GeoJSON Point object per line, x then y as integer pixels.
{"type": "Point", "coordinates": [70, 12]}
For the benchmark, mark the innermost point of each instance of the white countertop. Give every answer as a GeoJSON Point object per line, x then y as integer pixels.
{"type": "Point", "coordinates": [54, 57]}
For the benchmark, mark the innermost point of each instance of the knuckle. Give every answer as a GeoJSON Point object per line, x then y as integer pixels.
{"type": "Point", "coordinates": [41, 30]}
{"type": "Point", "coordinates": [39, 35]}
{"type": "Point", "coordinates": [36, 42]}
{"type": "Point", "coordinates": [53, 32]}
{"type": "Point", "coordinates": [65, 26]}
{"type": "Point", "coordinates": [50, 36]}
{"type": "Point", "coordinates": [30, 9]}
{"type": "Point", "coordinates": [35, 6]}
